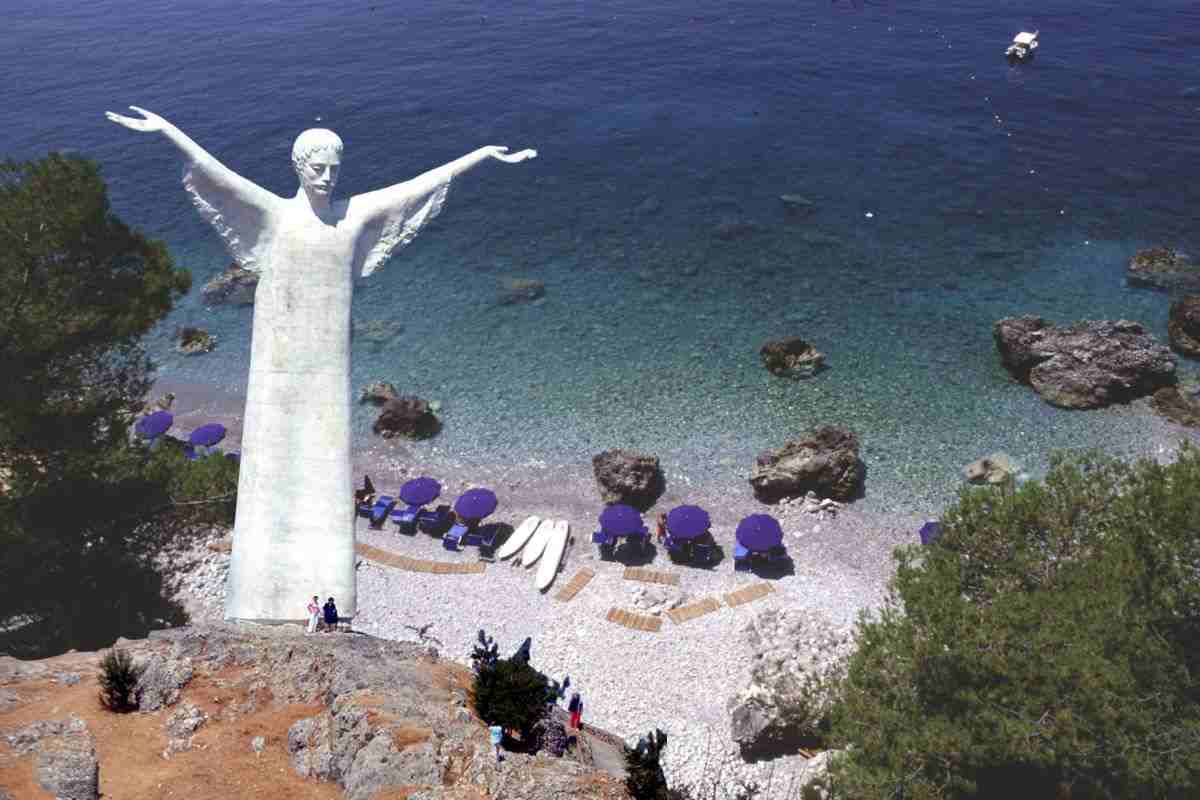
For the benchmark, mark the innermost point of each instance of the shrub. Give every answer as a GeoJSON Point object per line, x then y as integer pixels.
{"type": "Point", "coordinates": [507, 691]}
{"type": "Point", "coordinates": [644, 778]}
{"type": "Point", "coordinates": [118, 681]}
{"type": "Point", "coordinates": [1045, 646]}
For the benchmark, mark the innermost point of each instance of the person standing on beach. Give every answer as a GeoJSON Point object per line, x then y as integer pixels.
{"type": "Point", "coordinates": [331, 615]}
{"type": "Point", "coordinates": [576, 709]}
{"type": "Point", "coordinates": [661, 532]}
{"type": "Point", "coordinates": [497, 736]}
{"type": "Point", "coordinates": [314, 614]}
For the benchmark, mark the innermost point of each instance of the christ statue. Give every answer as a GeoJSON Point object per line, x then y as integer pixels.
{"type": "Point", "coordinates": [294, 528]}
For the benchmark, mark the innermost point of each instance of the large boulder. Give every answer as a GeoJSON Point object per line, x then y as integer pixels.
{"type": "Point", "coordinates": [194, 341]}
{"type": "Point", "coordinates": [65, 765]}
{"type": "Point", "coordinates": [406, 416]}
{"type": "Point", "coordinates": [791, 357]}
{"type": "Point", "coordinates": [377, 393]}
{"type": "Point", "coordinates": [1163, 268]}
{"type": "Point", "coordinates": [1183, 325]}
{"type": "Point", "coordinates": [520, 290]}
{"type": "Point", "coordinates": [161, 681]}
{"type": "Point", "coordinates": [782, 706]}
{"type": "Point", "coordinates": [825, 461]}
{"type": "Point", "coordinates": [628, 477]}
{"type": "Point", "coordinates": [235, 286]}
{"type": "Point", "coordinates": [1180, 405]}
{"type": "Point", "coordinates": [1089, 364]}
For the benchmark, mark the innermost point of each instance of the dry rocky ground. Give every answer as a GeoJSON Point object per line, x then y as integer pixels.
{"type": "Point", "coordinates": [266, 712]}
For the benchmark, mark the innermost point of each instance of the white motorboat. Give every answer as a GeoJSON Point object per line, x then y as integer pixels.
{"type": "Point", "coordinates": [1023, 46]}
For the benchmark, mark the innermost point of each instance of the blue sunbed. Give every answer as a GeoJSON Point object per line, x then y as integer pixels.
{"type": "Point", "coordinates": [379, 512]}
{"type": "Point", "coordinates": [406, 518]}
{"type": "Point", "coordinates": [453, 538]}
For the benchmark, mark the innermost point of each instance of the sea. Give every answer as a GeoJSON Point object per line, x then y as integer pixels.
{"type": "Point", "coordinates": [945, 189]}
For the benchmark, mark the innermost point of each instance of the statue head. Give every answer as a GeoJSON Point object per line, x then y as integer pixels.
{"type": "Point", "coordinates": [317, 156]}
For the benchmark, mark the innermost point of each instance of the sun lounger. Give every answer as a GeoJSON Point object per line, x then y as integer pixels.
{"type": "Point", "coordinates": [601, 538]}
{"type": "Point", "coordinates": [434, 522]}
{"type": "Point", "coordinates": [741, 558]}
{"type": "Point", "coordinates": [379, 512]}
{"type": "Point", "coordinates": [406, 518]}
{"type": "Point", "coordinates": [453, 538]}
{"type": "Point", "coordinates": [487, 536]}
{"type": "Point", "coordinates": [702, 553]}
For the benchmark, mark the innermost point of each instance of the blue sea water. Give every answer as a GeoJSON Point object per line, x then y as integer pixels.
{"type": "Point", "coordinates": [951, 189]}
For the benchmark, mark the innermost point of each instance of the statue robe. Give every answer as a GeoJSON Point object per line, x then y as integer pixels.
{"type": "Point", "coordinates": [294, 527]}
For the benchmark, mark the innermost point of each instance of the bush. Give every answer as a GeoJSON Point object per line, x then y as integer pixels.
{"type": "Point", "coordinates": [118, 681]}
{"type": "Point", "coordinates": [644, 778]}
{"type": "Point", "coordinates": [1045, 646]}
{"type": "Point", "coordinates": [507, 691]}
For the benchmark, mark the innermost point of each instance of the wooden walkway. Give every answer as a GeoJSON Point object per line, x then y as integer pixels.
{"type": "Point", "coordinates": [650, 576]}
{"type": "Point", "coordinates": [684, 613]}
{"type": "Point", "coordinates": [390, 559]}
{"type": "Point", "coordinates": [575, 585]}
{"type": "Point", "coordinates": [638, 622]}
{"type": "Point", "coordinates": [748, 595]}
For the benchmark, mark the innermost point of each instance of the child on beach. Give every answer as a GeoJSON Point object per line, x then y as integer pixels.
{"type": "Point", "coordinates": [314, 614]}
{"type": "Point", "coordinates": [497, 735]}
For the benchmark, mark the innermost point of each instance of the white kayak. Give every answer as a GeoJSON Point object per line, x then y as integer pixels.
{"type": "Point", "coordinates": [519, 537]}
{"type": "Point", "coordinates": [537, 543]}
{"type": "Point", "coordinates": [553, 554]}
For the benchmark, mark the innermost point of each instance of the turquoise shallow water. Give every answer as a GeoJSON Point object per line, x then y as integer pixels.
{"type": "Point", "coordinates": [991, 191]}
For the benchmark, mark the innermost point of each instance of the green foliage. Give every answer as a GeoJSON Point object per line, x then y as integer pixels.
{"type": "Point", "coordinates": [118, 681]}
{"type": "Point", "coordinates": [85, 510]}
{"type": "Point", "coordinates": [508, 692]}
{"type": "Point", "coordinates": [1046, 646]}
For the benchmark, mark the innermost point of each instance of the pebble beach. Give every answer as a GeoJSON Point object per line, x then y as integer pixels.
{"type": "Point", "coordinates": [680, 678]}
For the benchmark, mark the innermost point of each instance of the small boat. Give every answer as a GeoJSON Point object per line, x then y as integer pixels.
{"type": "Point", "coordinates": [1023, 46]}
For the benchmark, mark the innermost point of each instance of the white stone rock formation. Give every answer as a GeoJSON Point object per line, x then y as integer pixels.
{"type": "Point", "coordinates": [294, 529]}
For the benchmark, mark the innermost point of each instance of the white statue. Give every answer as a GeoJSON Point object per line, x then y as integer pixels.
{"type": "Point", "coordinates": [294, 529]}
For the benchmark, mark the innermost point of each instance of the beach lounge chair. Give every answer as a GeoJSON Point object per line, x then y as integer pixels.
{"type": "Point", "coordinates": [702, 553]}
{"type": "Point", "coordinates": [406, 518]}
{"type": "Point", "coordinates": [434, 522]}
{"type": "Point", "coordinates": [453, 538]}
{"type": "Point", "coordinates": [379, 512]}
{"type": "Point", "coordinates": [741, 558]}
{"type": "Point", "coordinates": [487, 537]}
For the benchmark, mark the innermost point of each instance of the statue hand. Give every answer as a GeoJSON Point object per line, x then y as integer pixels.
{"type": "Point", "coordinates": [502, 154]}
{"type": "Point", "coordinates": [152, 122]}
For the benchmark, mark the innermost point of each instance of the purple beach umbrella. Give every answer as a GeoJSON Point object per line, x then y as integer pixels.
{"type": "Point", "coordinates": [154, 425]}
{"type": "Point", "coordinates": [420, 491]}
{"type": "Point", "coordinates": [930, 531]}
{"type": "Point", "coordinates": [207, 435]}
{"type": "Point", "coordinates": [687, 522]}
{"type": "Point", "coordinates": [759, 533]}
{"type": "Point", "coordinates": [620, 520]}
{"type": "Point", "coordinates": [476, 503]}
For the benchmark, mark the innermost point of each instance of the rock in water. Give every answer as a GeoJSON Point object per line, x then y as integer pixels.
{"type": "Point", "coordinates": [1090, 364]}
{"type": "Point", "coordinates": [1181, 406]}
{"type": "Point", "coordinates": [1183, 326]}
{"type": "Point", "coordinates": [825, 461]}
{"type": "Point", "coordinates": [791, 357]}
{"type": "Point", "coordinates": [521, 290]}
{"type": "Point", "coordinates": [1163, 268]}
{"type": "Point", "coordinates": [235, 286]}
{"type": "Point", "coordinates": [627, 477]}
{"type": "Point", "coordinates": [65, 765]}
{"type": "Point", "coordinates": [797, 206]}
{"type": "Point", "coordinates": [995, 468]}
{"type": "Point", "coordinates": [194, 341]}
{"type": "Point", "coordinates": [406, 416]}
{"type": "Point", "coordinates": [377, 393]}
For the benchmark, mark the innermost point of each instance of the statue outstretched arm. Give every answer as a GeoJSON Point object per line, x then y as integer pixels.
{"type": "Point", "coordinates": [391, 217]}
{"type": "Point", "coordinates": [384, 201]}
{"type": "Point", "coordinates": [238, 208]}
{"type": "Point", "coordinates": [200, 159]}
